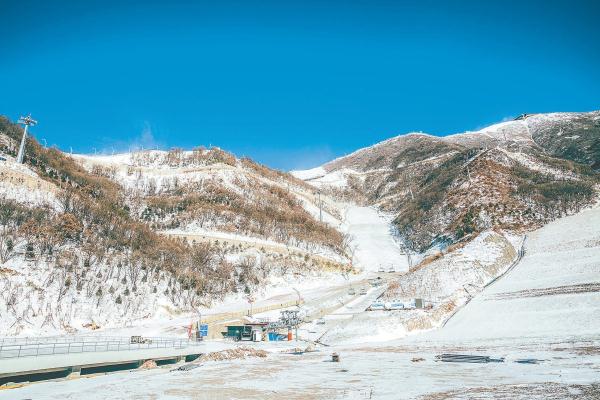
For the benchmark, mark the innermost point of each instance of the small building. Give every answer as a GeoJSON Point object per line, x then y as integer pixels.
{"type": "Point", "coordinates": [250, 330]}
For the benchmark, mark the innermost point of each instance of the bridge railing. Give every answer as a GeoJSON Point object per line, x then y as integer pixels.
{"type": "Point", "coordinates": [33, 347]}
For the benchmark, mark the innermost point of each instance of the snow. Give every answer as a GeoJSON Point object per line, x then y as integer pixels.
{"type": "Point", "coordinates": [530, 301]}
{"type": "Point", "coordinates": [309, 174]}
{"type": "Point", "coordinates": [24, 195]}
{"type": "Point", "coordinates": [311, 206]}
{"type": "Point", "coordinates": [517, 131]}
{"type": "Point", "coordinates": [337, 178]}
{"type": "Point", "coordinates": [46, 306]}
{"type": "Point", "coordinates": [546, 307]}
{"type": "Point", "coordinates": [120, 158]}
{"type": "Point", "coordinates": [376, 145]}
{"type": "Point", "coordinates": [560, 329]}
{"type": "Point", "coordinates": [373, 240]}
{"type": "Point", "coordinates": [18, 182]}
{"type": "Point", "coordinates": [513, 131]}
{"type": "Point", "coordinates": [445, 283]}
{"type": "Point", "coordinates": [193, 232]}
{"type": "Point", "coordinates": [531, 163]}
{"type": "Point", "coordinates": [362, 373]}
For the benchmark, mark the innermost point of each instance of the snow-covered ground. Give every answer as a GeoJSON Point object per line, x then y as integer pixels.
{"type": "Point", "coordinates": [20, 183]}
{"type": "Point", "coordinates": [373, 241]}
{"type": "Point", "coordinates": [545, 308]}
{"type": "Point", "coordinates": [375, 247]}
{"type": "Point", "coordinates": [446, 284]}
{"type": "Point", "coordinates": [553, 294]}
{"type": "Point", "coordinates": [391, 372]}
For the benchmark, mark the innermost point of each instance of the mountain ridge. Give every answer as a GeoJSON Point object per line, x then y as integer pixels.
{"type": "Point", "coordinates": [529, 167]}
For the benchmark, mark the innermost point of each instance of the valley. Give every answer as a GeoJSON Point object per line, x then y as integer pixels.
{"type": "Point", "coordinates": [475, 243]}
{"type": "Point", "coordinates": [558, 330]}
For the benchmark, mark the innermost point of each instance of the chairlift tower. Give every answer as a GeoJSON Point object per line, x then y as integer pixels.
{"type": "Point", "coordinates": [27, 121]}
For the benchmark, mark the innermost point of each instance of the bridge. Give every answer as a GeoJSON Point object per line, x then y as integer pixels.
{"type": "Point", "coordinates": [32, 359]}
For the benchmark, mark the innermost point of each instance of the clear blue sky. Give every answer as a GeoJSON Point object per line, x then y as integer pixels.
{"type": "Point", "coordinates": [291, 84]}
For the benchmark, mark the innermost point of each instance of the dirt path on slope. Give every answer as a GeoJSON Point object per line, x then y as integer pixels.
{"type": "Point", "coordinates": [251, 243]}
{"type": "Point", "coordinates": [551, 291]}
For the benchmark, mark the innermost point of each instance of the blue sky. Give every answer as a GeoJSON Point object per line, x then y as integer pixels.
{"type": "Point", "coordinates": [291, 84]}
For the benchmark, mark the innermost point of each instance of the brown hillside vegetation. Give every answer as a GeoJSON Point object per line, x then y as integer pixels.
{"type": "Point", "coordinates": [518, 176]}
{"type": "Point", "coordinates": [94, 234]}
{"type": "Point", "coordinates": [495, 191]}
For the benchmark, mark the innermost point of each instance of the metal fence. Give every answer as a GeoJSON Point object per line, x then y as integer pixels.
{"type": "Point", "coordinates": [75, 338]}
{"type": "Point", "coordinates": [33, 347]}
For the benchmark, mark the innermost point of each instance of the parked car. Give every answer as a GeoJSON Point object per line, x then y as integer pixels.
{"type": "Point", "coordinates": [410, 304]}
{"type": "Point", "coordinates": [376, 282]}
{"type": "Point", "coordinates": [378, 305]}
{"type": "Point", "coordinates": [363, 292]}
{"type": "Point", "coordinates": [320, 321]}
{"type": "Point", "coordinates": [394, 305]}
{"type": "Point", "coordinates": [351, 292]}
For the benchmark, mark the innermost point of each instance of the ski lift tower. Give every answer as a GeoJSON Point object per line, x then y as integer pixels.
{"type": "Point", "coordinates": [290, 319]}
{"type": "Point", "coordinates": [27, 121]}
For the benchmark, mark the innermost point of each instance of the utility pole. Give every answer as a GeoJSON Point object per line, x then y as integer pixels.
{"type": "Point", "coordinates": [320, 208]}
{"type": "Point", "coordinates": [467, 165]}
{"type": "Point", "coordinates": [25, 121]}
{"type": "Point", "coordinates": [408, 176]}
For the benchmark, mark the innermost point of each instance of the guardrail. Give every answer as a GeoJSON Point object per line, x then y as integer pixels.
{"type": "Point", "coordinates": [520, 255]}
{"type": "Point", "coordinates": [76, 338]}
{"type": "Point", "coordinates": [34, 347]}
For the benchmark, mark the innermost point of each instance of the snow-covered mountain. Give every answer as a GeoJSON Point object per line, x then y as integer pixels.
{"type": "Point", "coordinates": [514, 175]}
{"type": "Point", "coordinates": [103, 241]}
{"type": "Point", "coordinates": [554, 133]}
{"type": "Point", "coordinates": [209, 193]}
{"type": "Point", "coordinates": [106, 240]}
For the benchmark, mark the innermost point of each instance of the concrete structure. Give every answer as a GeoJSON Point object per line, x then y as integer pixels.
{"type": "Point", "coordinates": [60, 365]}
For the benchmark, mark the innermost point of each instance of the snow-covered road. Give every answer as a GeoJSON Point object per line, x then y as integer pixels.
{"type": "Point", "coordinates": [373, 240]}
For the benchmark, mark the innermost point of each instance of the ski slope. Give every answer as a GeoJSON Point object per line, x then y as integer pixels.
{"type": "Point", "coordinates": [552, 294]}
{"type": "Point", "coordinates": [373, 240]}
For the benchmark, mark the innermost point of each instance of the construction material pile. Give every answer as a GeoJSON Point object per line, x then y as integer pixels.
{"type": "Point", "coordinates": [233, 354]}
{"type": "Point", "coordinates": [149, 364]}
{"type": "Point", "coordinates": [446, 357]}
{"type": "Point", "coordinates": [297, 350]}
